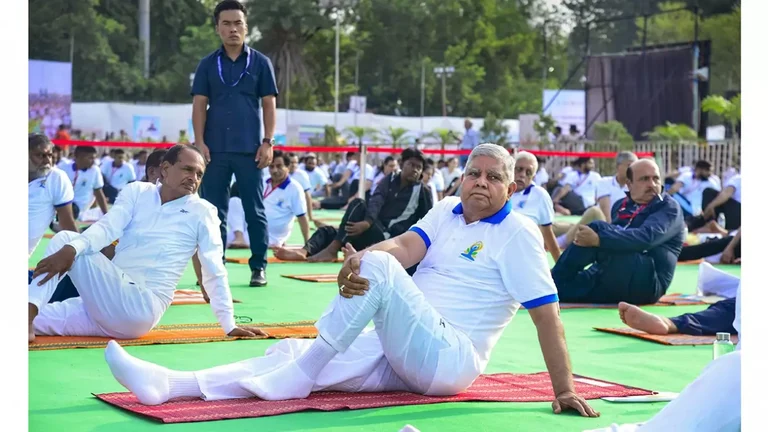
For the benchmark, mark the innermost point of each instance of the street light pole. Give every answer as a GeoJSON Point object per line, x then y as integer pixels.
{"type": "Point", "coordinates": [442, 72]}
{"type": "Point", "coordinates": [336, 85]}
{"type": "Point", "coordinates": [421, 123]}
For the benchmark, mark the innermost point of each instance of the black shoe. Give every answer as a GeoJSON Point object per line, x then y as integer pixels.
{"type": "Point", "coordinates": [258, 278]}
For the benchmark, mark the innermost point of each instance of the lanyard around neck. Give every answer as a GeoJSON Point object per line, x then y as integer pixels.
{"type": "Point", "coordinates": [242, 74]}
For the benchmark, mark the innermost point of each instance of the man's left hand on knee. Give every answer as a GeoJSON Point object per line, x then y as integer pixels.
{"type": "Point", "coordinates": [349, 279]}
{"type": "Point", "coordinates": [58, 263]}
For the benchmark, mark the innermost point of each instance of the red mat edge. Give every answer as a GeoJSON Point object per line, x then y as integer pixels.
{"type": "Point", "coordinates": [162, 420]}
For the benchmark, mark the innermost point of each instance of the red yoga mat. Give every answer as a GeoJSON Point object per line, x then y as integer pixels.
{"type": "Point", "coordinates": [503, 387]}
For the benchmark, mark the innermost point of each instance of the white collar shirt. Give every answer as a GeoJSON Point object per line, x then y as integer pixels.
{"type": "Point", "coordinates": [118, 177]}
{"type": "Point", "coordinates": [84, 183]}
{"type": "Point", "coordinates": [534, 202]}
{"type": "Point", "coordinates": [610, 187]}
{"type": "Point", "coordinates": [282, 204]}
{"type": "Point", "coordinates": [302, 178]}
{"type": "Point", "coordinates": [542, 177]}
{"type": "Point", "coordinates": [735, 183]}
{"type": "Point", "coordinates": [693, 189]}
{"type": "Point", "coordinates": [157, 241]}
{"type": "Point", "coordinates": [317, 178]}
{"type": "Point", "coordinates": [477, 275]}
{"type": "Point", "coordinates": [584, 185]}
{"type": "Point", "coordinates": [45, 195]}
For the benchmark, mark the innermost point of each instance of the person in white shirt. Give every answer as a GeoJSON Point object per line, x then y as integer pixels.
{"type": "Point", "coordinates": [611, 190]}
{"type": "Point", "coordinates": [434, 332]}
{"type": "Point", "coordinates": [50, 192]}
{"type": "Point", "coordinates": [726, 203]}
{"type": "Point", "coordinates": [387, 167]}
{"type": "Point", "coordinates": [318, 177]}
{"type": "Point", "coordinates": [541, 178]}
{"type": "Point", "coordinates": [426, 180]}
{"type": "Point", "coordinates": [302, 178]}
{"type": "Point", "coordinates": [351, 178]}
{"type": "Point", "coordinates": [452, 176]}
{"type": "Point", "coordinates": [117, 174]}
{"type": "Point", "coordinates": [437, 182]}
{"type": "Point", "coordinates": [688, 189]}
{"type": "Point", "coordinates": [533, 201]}
{"type": "Point", "coordinates": [87, 182]}
{"type": "Point", "coordinates": [160, 227]}
{"type": "Point", "coordinates": [284, 202]}
{"type": "Point", "coordinates": [578, 189]}
{"type": "Point", "coordinates": [139, 163]}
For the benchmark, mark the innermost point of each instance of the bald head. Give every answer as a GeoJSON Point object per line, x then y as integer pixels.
{"type": "Point", "coordinates": [643, 180]}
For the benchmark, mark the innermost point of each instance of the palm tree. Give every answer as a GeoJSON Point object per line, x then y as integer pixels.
{"type": "Point", "coordinates": [360, 132]}
{"type": "Point", "coordinates": [396, 135]}
{"type": "Point", "coordinates": [444, 137]}
{"type": "Point", "coordinates": [729, 110]}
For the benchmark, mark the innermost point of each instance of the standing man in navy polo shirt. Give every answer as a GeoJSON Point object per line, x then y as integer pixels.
{"type": "Point", "coordinates": [231, 83]}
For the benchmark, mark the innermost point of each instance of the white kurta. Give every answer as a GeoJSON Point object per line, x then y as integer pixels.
{"type": "Point", "coordinates": [127, 296]}
{"type": "Point", "coordinates": [434, 333]}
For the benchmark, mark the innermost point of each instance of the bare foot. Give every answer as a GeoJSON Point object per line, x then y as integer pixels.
{"type": "Point", "coordinates": [639, 319]}
{"type": "Point", "coordinates": [562, 210]}
{"type": "Point", "coordinates": [324, 256]}
{"type": "Point", "coordinates": [238, 242]}
{"type": "Point", "coordinates": [287, 254]}
{"type": "Point", "coordinates": [32, 315]}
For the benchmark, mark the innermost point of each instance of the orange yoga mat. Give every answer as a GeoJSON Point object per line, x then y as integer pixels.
{"type": "Point", "coordinates": [672, 339]}
{"type": "Point", "coordinates": [178, 334]}
{"type": "Point", "coordinates": [673, 299]}
{"type": "Point", "coordinates": [694, 262]}
{"type": "Point", "coordinates": [189, 297]}
{"type": "Point", "coordinates": [271, 260]}
{"type": "Point", "coordinates": [326, 278]}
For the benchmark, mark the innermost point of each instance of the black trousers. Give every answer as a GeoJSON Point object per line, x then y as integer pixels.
{"type": "Point", "coordinates": [215, 189]}
{"type": "Point", "coordinates": [708, 248]}
{"type": "Point", "coordinates": [326, 235]}
{"type": "Point", "coordinates": [718, 318]}
{"type": "Point", "coordinates": [110, 192]}
{"type": "Point", "coordinates": [64, 290]}
{"type": "Point", "coordinates": [731, 209]}
{"type": "Point", "coordinates": [573, 202]}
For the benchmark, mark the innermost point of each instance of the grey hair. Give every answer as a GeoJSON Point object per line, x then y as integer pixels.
{"type": "Point", "coordinates": [625, 156]}
{"type": "Point", "coordinates": [524, 155]}
{"type": "Point", "coordinates": [496, 152]}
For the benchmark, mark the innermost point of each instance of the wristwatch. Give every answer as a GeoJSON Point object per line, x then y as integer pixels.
{"type": "Point", "coordinates": [268, 141]}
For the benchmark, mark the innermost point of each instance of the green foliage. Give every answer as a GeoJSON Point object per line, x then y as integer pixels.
{"type": "Point", "coordinates": [614, 132]}
{"type": "Point", "coordinates": [493, 130]}
{"type": "Point", "coordinates": [360, 133]}
{"type": "Point", "coordinates": [730, 110]}
{"type": "Point", "coordinates": [396, 135]}
{"type": "Point", "coordinates": [443, 136]}
{"type": "Point", "coordinates": [672, 132]}
{"type": "Point", "coordinates": [544, 127]}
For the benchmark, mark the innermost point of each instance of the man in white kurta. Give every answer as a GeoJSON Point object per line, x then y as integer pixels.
{"type": "Point", "coordinates": [434, 332]}
{"type": "Point", "coordinates": [159, 227]}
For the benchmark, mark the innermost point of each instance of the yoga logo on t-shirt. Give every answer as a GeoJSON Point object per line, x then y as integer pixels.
{"type": "Point", "coordinates": [471, 252]}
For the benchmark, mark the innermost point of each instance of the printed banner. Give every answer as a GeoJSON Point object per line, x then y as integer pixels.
{"type": "Point", "coordinates": [50, 96]}
{"type": "Point", "coordinates": [146, 128]}
{"type": "Point", "coordinates": [567, 108]}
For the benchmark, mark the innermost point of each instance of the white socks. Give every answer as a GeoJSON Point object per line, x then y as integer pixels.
{"type": "Point", "coordinates": [150, 383]}
{"type": "Point", "coordinates": [296, 379]}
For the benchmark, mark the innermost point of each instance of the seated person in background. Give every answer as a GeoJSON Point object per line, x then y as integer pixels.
{"type": "Point", "coordinates": [726, 250]}
{"type": "Point", "coordinates": [284, 201]}
{"type": "Point", "coordinates": [318, 179]}
{"type": "Point", "coordinates": [566, 231]}
{"type": "Point", "coordinates": [434, 332]}
{"type": "Point", "coordinates": [302, 177]}
{"type": "Point", "coordinates": [154, 162]}
{"type": "Point", "coordinates": [349, 183]}
{"type": "Point", "coordinates": [451, 176]}
{"type": "Point", "coordinates": [727, 202]}
{"type": "Point", "coordinates": [634, 258]}
{"type": "Point", "coordinates": [139, 163]}
{"type": "Point", "coordinates": [385, 170]}
{"type": "Point", "coordinates": [436, 180]}
{"type": "Point", "coordinates": [541, 178]}
{"type": "Point", "coordinates": [689, 187]}
{"type": "Point", "coordinates": [611, 190]}
{"type": "Point", "coordinates": [426, 181]}
{"type": "Point", "coordinates": [578, 189]}
{"type": "Point", "coordinates": [534, 201]}
{"type": "Point", "coordinates": [399, 202]}
{"type": "Point", "coordinates": [50, 192]}
{"type": "Point", "coordinates": [126, 297]}
{"type": "Point", "coordinates": [117, 174]}
{"type": "Point", "coordinates": [87, 181]}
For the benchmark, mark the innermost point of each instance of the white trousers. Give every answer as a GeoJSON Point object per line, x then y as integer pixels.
{"type": "Point", "coordinates": [236, 221]}
{"type": "Point", "coordinates": [110, 303]}
{"type": "Point", "coordinates": [411, 347]}
{"type": "Point", "coordinates": [713, 281]}
{"type": "Point", "coordinates": [711, 403]}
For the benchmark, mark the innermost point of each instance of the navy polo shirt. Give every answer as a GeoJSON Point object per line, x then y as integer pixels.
{"type": "Point", "coordinates": [233, 123]}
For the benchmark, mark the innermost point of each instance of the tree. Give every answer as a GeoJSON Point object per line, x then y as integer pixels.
{"type": "Point", "coordinates": [614, 132]}
{"type": "Point", "coordinates": [360, 133]}
{"type": "Point", "coordinates": [544, 127]}
{"type": "Point", "coordinates": [729, 110]}
{"type": "Point", "coordinates": [396, 135]}
{"type": "Point", "coordinates": [443, 136]}
{"type": "Point", "coordinates": [494, 130]}
{"type": "Point", "coordinates": [670, 132]}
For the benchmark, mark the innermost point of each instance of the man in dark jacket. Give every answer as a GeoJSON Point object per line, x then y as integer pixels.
{"type": "Point", "coordinates": [399, 202]}
{"type": "Point", "coordinates": [633, 258]}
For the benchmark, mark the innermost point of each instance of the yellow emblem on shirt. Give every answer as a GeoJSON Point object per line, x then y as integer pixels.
{"type": "Point", "coordinates": [471, 252]}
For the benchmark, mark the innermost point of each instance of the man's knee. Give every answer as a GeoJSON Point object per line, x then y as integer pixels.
{"type": "Point", "coordinates": [378, 268]}
{"type": "Point", "coordinates": [594, 213]}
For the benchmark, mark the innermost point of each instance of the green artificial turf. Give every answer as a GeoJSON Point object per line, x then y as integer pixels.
{"type": "Point", "coordinates": [61, 382]}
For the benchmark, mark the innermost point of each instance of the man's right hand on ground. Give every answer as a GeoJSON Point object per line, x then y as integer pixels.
{"type": "Point", "coordinates": [349, 280]}
{"type": "Point", "coordinates": [58, 263]}
{"type": "Point", "coordinates": [204, 149]}
{"type": "Point", "coordinates": [247, 332]}
{"type": "Point", "coordinates": [571, 401]}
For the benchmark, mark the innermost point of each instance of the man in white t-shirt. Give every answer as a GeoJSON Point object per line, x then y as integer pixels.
{"type": "Point", "coordinates": [426, 180]}
{"type": "Point", "coordinates": [318, 178]}
{"type": "Point", "coordinates": [451, 176]}
{"type": "Point", "coordinates": [688, 189]}
{"type": "Point", "coordinates": [87, 181]}
{"type": "Point", "coordinates": [140, 164]}
{"type": "Point", "coordinates": [541, 178]}
{"type": "Point", "coordinates": [436, 181]}
{"type": "Point", "coordinates": [302, 178]}
{"type": "Point", "coordinates": [434, 332]}
{"type": "Point", "coordinates": [284, 202]}
{"type": "Point", "coordinates": [578, 189]}
{"type": "Point", "coordinates": [610, 190]}
{"type": "Point", "coordinates": [534, 201]}
{"type": "Point", "coordinates": [726, 203]}
{"type": "Point", "coordinates": [117, 174]}
{"type": "Point", "coordinates": [50, 192]}
{"type": "Point", "coordinates": [351, 178]}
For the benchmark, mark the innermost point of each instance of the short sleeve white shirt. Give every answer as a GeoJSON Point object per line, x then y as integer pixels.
{"type": "Point", "coordinates": [317, 178]}
{"type": "Point", "coordinates": [735, 183]}
{"type": "Point", "coordinates": [609, 187]}
{"type": "Point", "coordinates": [542, 177]}
{"type": "Point", "coordinates": [534, 202]}
{"type": "Point", "coordinates": [437, 181]}
{"type": "Point", "coordinates": [282, 205]}
{"type": "Point", "coordinates": [449, 177]}
{"type": "Point", "coordinates": [693, 189]}
{"type": "Point", "coordinates": [584, 185]}
{"type": "Point", "coordinates": [84, 183]}
{"type": "Point", "coordinates": [45, 195]}
{"type": "Point", "coordinates": [302, 178]}
{"type": "Point", "coordinates": [118, 177]}
{"type": "Point", "coordinates": [477, 275]}
{"type": "Point", "coordinates": [355, 168]}
{"type": "Point", "coordinates": [139, 170]}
